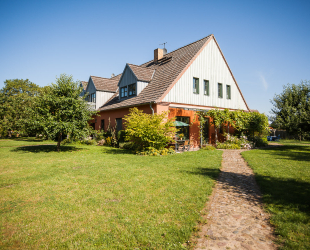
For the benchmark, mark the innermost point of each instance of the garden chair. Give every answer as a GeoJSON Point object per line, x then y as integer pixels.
{"type": "Point", "coordinates": [278, 138]}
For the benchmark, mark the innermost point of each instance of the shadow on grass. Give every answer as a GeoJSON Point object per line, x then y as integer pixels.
{"type": "Point", "coordinates": [293, 152]}
{"type": "Point", "coordinates": [212, 173]}
{"type": "Point", "coordinates": [116, 151]}
{"type": "Point", "coordinates": [46, 149]}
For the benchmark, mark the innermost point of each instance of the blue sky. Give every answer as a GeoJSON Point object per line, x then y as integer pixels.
{"type": "Point", "coordinates": [266, 43]}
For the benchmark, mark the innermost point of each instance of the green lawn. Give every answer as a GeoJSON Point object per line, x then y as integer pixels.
{"type": "Point", "coordinates": [90, 197]}
{"type": "Point", "coordinates": [23, 141]}
{"type": "Point", "coordinates": [283, 174]}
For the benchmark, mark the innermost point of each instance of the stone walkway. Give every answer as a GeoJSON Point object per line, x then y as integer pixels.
{"type": "Point", "coordinates": [235, 216]}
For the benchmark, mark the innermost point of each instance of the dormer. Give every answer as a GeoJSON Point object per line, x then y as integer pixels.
{"type": "Point", "coordinates": [99, 90]}
{"type": "Point", "coordinates": [134, 79]}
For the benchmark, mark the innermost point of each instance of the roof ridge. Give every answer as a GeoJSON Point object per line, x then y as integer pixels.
{"type": "Point", "coordinates": [104, 78]}
{"type": "Point", "coordinates": [189, 44]}
{"type": "Point", "coordinates": [179, 48]}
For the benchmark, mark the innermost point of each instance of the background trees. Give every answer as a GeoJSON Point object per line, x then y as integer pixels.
{"type": "Point", "coordinates": [59, 111]}
{"type": "Point", "coordinates": [291, 109]}
{"type": "Point", "coordinates": [16, 97]}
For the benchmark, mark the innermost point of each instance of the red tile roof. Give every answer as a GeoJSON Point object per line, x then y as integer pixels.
{"type": "Point", "coordinates": [84, 84]}
{"type": "Point", "coordinates": [105, 84]}
{"type": "Point", "coordinates": [162, 75]}
{"type": "Point", "coordinates": [142, 73]}
{"type": "Point", "coordinates": [166, 69]}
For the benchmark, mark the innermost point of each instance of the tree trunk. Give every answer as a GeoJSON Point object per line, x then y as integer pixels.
{"type": "Point", "coordinates": [216, 135]}
{"type": "Point", "coordinates": [58, 143]}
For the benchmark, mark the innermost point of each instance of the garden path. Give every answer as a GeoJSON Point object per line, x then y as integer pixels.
{"type": "Point", "coordinates": [236, 219]}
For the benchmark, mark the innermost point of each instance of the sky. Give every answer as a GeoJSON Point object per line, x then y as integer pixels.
{"type": "Point", "coordinates": [266, 43]}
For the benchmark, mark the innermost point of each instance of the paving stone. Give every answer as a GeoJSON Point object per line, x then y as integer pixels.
{"type": "Point", "coordinates": [236, 219]}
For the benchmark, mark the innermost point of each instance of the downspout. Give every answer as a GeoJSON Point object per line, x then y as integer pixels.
{"type": "Point", "coordinates": [151, 108]}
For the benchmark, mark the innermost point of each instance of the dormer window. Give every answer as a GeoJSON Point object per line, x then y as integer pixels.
{"type": "Point", "coordinates": [124, 92]}
{"type": "Point", "coordinates": [132, 89]}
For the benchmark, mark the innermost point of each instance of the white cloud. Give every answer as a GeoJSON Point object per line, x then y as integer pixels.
{"type": "Point", "coordinates": [263, 81]}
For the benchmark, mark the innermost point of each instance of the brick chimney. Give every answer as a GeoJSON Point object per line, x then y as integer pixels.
{"type": "Point", "coordinates": [158, 54]}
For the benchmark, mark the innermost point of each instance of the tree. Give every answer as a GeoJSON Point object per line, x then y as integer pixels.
{"type": "Point", "coordinates": [15, 98]}
{"type": "Point", "coordinates": [291, 109]}
{"type": "Point", "coordinates": [147, 130]}
{"type": "Point", "coordinates": [59, 111]}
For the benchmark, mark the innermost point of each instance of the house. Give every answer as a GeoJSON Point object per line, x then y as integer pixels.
{"type": "Point", "coordinates": [193, 77]}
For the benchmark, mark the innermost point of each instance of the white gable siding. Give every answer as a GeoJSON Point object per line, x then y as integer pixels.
{"type": "Point", "coordinates": [141, 86]}
{"type": "Point", "coordinates": [209, 65]}
{"type": "Point", "coordinates": [102, 97]}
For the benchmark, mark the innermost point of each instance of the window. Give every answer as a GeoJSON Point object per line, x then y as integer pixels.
{"type": "Point", "coordinates": [132, 89]}
{"type": "Point", "coordinates": [102, 125]}
{"type": "Point", "coordinates": [220, 90]}
{"type": "Point", "coordinates": [206, 87]}
{"type": "Point", "coordinates": [91, 97]}
{"type": "Point", "coordinates": [195, 85]}
{"type": "Point", "coordinates": [183, 129]}
{"type": "Point", "coordinates": [228, 95]}
{"type": "Point", "coordinates": [124, 91]}
{"type": "Point", "coordinates": [119, 124]}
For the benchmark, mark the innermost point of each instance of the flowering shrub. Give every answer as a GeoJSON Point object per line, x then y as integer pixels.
{"type": "Point", "coordinates": [156, 152]}
{"type": "Point", "coordinates": [233, 142]}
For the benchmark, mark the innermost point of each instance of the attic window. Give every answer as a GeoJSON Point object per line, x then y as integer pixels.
{"type": "Point", "coordinates": [206, 87]}
{"type": "Point", "coordinates": [220, 90]}
{"type": "Point", "coordinates": [124, 91]}
{"type": "Point", "coordinates": [132, 89]}
{"type": "Point", "coordinates": [195, 85]}
{"type": "Point", "coordinates": [228, 94]}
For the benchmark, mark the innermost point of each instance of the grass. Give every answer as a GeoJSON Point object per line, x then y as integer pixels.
{"type": "Point", "coordinates": [89, 197]}
{"type": "Point", "coordinates": [283, 174]}
{"type": "Point", "coordinates": [23, 141]}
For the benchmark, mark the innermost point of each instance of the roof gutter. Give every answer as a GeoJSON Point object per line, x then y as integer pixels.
{"type": "Point", "coordinates": [152, 108]}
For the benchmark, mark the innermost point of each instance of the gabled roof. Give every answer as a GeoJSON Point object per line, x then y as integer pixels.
{"type": "Point", "coordinates": [166, 72]}
{"type": "Point", "coordinates": [105, 84]}
{"type": "Point", "coordinates": [142, 73]}
{"type": "Point", "coordinates": [84, 84]}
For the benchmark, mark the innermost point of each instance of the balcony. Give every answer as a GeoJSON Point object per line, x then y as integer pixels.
{"type": "Point", "coordinates": [91, 105]}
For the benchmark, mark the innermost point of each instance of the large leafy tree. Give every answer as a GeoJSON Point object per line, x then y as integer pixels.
{"type": "Point", "coordinates": [15, 98]}
{"type": "Point", "coordinates": [59, 111]}
{"type": "Point", "coordinates": [291, 109]}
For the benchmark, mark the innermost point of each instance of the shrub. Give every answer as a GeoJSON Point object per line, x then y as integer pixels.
{"type": "Point", "coordinates": [121, 136]}
{"type": "Point", "coordinates": [233, 142]}
{"type": "Point", "coordinates": [66, 141]}
{"type": "Point", "coordinates": [227, 146]}
{"type": "Point", "coordinates": [108, 141]}
{"type": "Point", "coordinates": [101, 142]}
{"type": "Point", "coordinates": [88, 142]}
{"type": "Point", "coordinates": [127, 145]}
{"type": "Point", "coordinates": [208, 147]}
{"type": "Point", "coordinates": [146, 130]}
{"type": "Point", "coordinates": [156, 152]}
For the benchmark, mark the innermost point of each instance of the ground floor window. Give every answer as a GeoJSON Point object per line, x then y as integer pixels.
{"type": "Point", "coordinates": [183, 130]}
{"type": "Point", "coordinates": [102, 125]}
{"type": "Point", "coordinates": [119, 124]}
{"type": "Point", "coordinates": [205, 132]}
